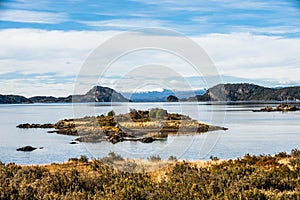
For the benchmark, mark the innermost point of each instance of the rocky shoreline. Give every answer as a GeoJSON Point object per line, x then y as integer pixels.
{"type": "Point", "coordinates": [143, 126]}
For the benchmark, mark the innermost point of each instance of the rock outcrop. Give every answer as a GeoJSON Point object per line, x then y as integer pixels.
{"type": "Point", "coordinates": [26, 148]}
{"type": "Point", "coordinates": [27, 125]}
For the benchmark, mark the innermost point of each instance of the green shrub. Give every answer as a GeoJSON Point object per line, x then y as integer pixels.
{"type": "Point", "coordinates": [73, 160]}
{"type": "Point", "coordinates": [214, 158]}
{"type": "Point", "coordinates": [172, 158]}
{"type": "Point", "coordinates": [134, 114]}
{"type": "Point", "coordinates": [295, 153]}
{"type": "Point", "coordinates": [115, 157]}
{"type": "Point", "coordinates": [161, 114]}
{"type": "Point", "coordinates": [154, 158]}
{"type": "Point", "coordinates": [111, 113]}
{"type": "Point", "coordinates": [158, 113]}
{"type": "Point", "coordinates": [152, 113]}
{"type": "Point", "coordinates": [282, 155]}
{"type": "Point", "coordinates": [112, 157]}
{"type": "Point", "coordinates": [83, 159]}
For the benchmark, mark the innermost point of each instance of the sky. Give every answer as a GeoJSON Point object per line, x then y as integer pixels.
{"type": "Point", "coordinates": [45, 44]}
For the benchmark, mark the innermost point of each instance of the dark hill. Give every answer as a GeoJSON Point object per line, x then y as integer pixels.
{"type": "Point", "coordinates": [13, 99]}
{"type": "Point", "coordinates": [96, 94]}
{"type": "Point", "coordinates": [172, 98]}
{"type": "Point", "coordinates": [100, 94]}
{"type": "Point", "coordinates": [248, 92]}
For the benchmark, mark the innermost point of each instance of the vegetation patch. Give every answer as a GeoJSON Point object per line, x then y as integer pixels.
{"type": "Point", "coordinates": [250, 177]}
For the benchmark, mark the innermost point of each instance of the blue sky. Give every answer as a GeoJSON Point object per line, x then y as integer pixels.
{"type": "Point", "coordinates": [192, 18]}
{"type": "Point", "coordinates": [44, 43]}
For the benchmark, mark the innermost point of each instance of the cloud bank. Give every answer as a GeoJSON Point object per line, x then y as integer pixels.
{"type": "Point", "coordinates": [40, 62]}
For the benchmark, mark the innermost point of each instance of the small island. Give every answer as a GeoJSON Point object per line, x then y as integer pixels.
{"type": "Point", "coordinates": [279, 108]}
{"type": "Point", "coordinates": [138, 125]}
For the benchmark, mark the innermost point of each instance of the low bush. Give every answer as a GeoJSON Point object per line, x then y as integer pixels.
{"type": "Point", "coordinates": [154, 158]}
{"type": "Point", "coordinates": [250, 177]}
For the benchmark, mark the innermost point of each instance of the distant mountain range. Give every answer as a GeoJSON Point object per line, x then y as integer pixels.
{"type": "Point", "coordinates": [221, 92]}
{"type": "Point", "coordinates": [96, 94]}
{"type": "Point", "coordinates": [161, 96]}
{"type": "Point", "coordinates": [248, 92]}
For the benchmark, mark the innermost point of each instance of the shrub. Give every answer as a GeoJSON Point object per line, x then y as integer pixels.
{"type": "Point", "coordinates": [161, 114]}
{"type": "Point", "coordinates": [73, 160]}
{"type": "Point", "coordinates": [115, 157]}
{"type": "Point", "coordinates": [112, 157]}
{"type": "Point", "coordinates": [172, 158]}
{"type": "Point", "coordinates": [83, 159]}
{"type": "Point", "coordinates": [134, 114]}
{"type": "Point", "coordinates": [282, 155]}
{"type": "Point", "coordinates": [111, 113]}
{"type": "Point", "coordinates": [214, 158]}
{"type": "Point", "coordinates": [152, 113]}
{"type": "Point", "coordinates": [239, 179]}
{"type": "Point", "coordinates": [154, 158]}
{"type": "Point", "coordinates": [295, 153]}
{"type": "Point", "coordinates": [158, 113]}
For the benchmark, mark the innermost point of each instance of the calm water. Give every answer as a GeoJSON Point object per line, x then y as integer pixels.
{"type": "Point", "coordinates": [249, 132]}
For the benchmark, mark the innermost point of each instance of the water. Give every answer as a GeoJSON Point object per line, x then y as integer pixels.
{"type": "Point", "coordinates": [249, 132]}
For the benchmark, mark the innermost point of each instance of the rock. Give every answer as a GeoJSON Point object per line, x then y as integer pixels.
{"type": "Point", "coordinates": [115, 139]}
{"type": "Point", "coordinates": [27, 125]}
{"type": "Point", "coordinates": [26, 148]}
{"type": "Point", "coordinates": [147, 140]}
{"type": "Point", "coordinates": [55, 131]}
{"type": "Point", "coordinates": [47, 125]}
{"type": "Point", "coordinates": [73, 143]}
{"type": "Point", "coordinates": [23, 125]}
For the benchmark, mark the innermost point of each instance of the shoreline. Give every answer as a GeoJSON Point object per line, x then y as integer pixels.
{"type": "Point", "coordinates": [200, 162]}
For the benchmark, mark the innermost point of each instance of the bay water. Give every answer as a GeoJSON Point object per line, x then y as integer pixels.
{"type": "Point", "coordinates": [248, 132]}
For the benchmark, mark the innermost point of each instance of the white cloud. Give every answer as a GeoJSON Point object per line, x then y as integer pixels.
{"type": "Point", "coordinates": [276, 30]}
{"type": "Point", "coordinates": [243, 55]}
{"type": "Point", "coordinates": [124, 23]}
{"type": "Point", "coordinates": [38, 51]}
{"type": "Point", "coordinates": [32, 16]}
{"type": "Point", "coordinates": [253, 56]}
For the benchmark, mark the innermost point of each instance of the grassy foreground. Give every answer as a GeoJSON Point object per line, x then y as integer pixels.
{"type": "Point", "coordinates": [250, 177]}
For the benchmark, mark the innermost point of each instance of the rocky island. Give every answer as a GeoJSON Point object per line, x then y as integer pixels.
{"type": "Point", "coordinates": [279, 108]}
{"type": "Point", "coordinates": [138, 125]}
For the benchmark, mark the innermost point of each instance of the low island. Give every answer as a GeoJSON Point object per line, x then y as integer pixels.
{"type": "Point", "coordinates": [138, 125]}
{"type": "Point", "coordinates": [279, 108]}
